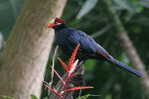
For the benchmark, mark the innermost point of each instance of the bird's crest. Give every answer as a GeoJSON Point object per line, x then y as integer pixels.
{"type": "Point", "coordinates": [58, 20]}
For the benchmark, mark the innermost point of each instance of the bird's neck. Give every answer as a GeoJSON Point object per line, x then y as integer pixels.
{"type": "Point", "coordinates": [61, 26]}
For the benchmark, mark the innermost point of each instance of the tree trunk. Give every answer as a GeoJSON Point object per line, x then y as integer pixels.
{"type": "Point", "coordinates": [27, 49]}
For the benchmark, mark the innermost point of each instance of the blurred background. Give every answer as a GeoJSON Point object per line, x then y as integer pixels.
{"type": "Point", "coordinates": [92, 17]}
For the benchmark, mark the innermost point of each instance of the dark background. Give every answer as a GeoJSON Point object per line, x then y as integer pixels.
{"type": "Point", "coordinates": [91, 17]}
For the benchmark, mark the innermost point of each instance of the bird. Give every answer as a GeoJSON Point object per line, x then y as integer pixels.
{"type": "Point", "coordinates": [68, 38]}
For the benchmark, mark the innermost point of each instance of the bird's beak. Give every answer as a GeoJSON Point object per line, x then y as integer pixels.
{"type": "Point", "coordinates": [50, 25]}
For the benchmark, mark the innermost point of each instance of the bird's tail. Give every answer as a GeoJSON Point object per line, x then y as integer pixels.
{"type": "Point", "coordinates": [125, 67]}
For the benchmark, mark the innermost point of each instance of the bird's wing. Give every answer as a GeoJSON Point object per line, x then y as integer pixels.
{"type": "Point", "coordinates": [87, 43]}
{"type": "Point", "coordinates": [79, 37]}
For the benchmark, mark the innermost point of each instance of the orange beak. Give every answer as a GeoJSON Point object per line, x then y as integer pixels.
{"type": "Point", "coordinates": [50, 25]}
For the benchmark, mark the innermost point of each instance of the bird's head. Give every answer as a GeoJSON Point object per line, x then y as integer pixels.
{"type": "Point", "coordinates": [57, 22]}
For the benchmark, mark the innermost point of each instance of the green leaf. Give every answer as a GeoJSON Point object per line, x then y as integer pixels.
{"type": "Point", "coordinates": [6, 97]}
{"type": "Point", "coordinates": [45, 98]}
{"type": "Point", "coordinates": [122, 4]}
{"type": "Point", "coordinates": [33, 97]}
{"type": "Point", "coordinates": [109, 96]}
{"type": "Point", "coordinates": [87, 96]}
{"type": "Point", "coordinates": [89, 65]}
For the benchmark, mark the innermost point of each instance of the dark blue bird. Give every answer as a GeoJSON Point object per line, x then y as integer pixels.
{"type": "Point", "coordinates": [68, 38]}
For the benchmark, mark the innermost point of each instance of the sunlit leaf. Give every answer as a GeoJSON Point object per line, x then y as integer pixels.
{"type": "Point", "coordinates": [33, 97]}
{"type": "Point", "coordinates": [6, 97]}
{"type": "Point", "coordinates": [87, 96]}
{"type": "Point", "coordinates": [86, 8]}
{"type": "Point", "coordinates": [122, 4]}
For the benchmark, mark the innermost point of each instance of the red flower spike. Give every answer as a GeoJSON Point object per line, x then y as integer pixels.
{"type": "Point", "coordinates": [73, 56]}
{"type": "Point", "coordinates": [77, 88]}
{"type": "Point", "coordinates": [54, 91]}
{"type": "Point", "coordinates": [58, 20]}
{"type": "Point", "coordinates": [73, 67]}
{"type": "Point", "coordinates": [63, 64]}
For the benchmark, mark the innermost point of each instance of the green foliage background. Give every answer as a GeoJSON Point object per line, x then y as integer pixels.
{"type": "Point", "coordinates": [109, 82]}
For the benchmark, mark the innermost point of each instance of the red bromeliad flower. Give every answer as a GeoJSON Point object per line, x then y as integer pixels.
{"type": "Point", "coordinates": [60, 78]}
{"type": "Point", "coordinates": [63, 64]}
{"type": "Point", "coordinates": [71, 64]}
{"type": "Point", "coordinates": [69, 68]}
{"type": "Point", "coordinates": [54, 91]}
{"type": "Point", "coordinates": [77, 88]}
{"type": "Point", "coordinates": [72, 58]}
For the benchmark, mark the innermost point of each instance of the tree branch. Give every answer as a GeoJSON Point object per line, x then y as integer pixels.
{"type": "Point", "coordinates": [126, 43]}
